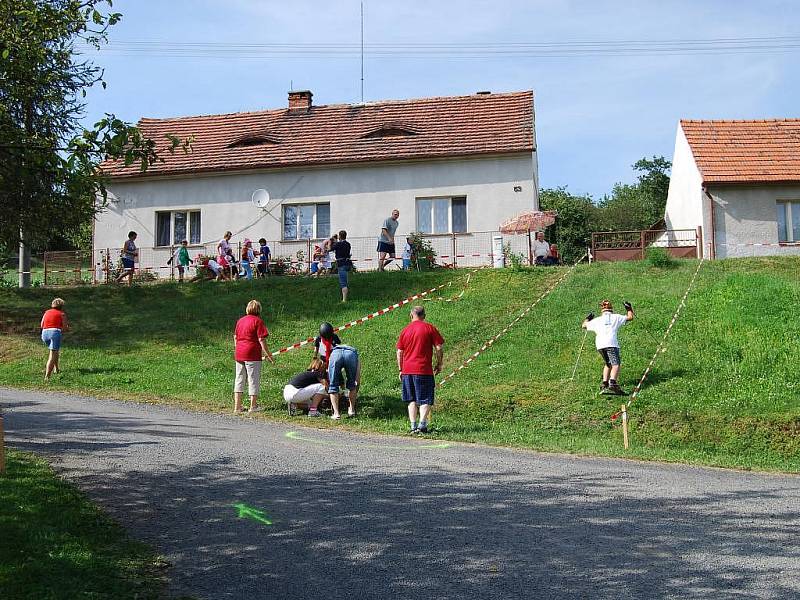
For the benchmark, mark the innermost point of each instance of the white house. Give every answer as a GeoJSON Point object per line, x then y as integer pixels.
{"type": "Point", "coordinates": [450, 165]}
{"type": "Point", "coordinates": [740, 182]}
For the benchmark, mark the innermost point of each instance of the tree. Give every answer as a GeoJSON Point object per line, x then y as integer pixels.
{"type": "Point", "coordinates": [637, 206]}
{"type": "Point", "coordinates": [572, 231]}
{"type": "Point", "coordinates": [49, 177]}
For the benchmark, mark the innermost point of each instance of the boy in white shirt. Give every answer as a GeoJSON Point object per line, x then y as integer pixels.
{"type": "Point", "coordinates": [605, 328]}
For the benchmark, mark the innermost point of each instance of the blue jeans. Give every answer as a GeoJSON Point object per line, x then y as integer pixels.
{"type": "Point", "coordinates": [342, 357]}
{"type": "Point", "coordinates": [343, 271]}
{"type": "Point", "coordinates": [248, 270]}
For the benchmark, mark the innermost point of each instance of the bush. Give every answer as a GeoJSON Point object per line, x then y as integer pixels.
{"type": "Point", "coordinates": [422, 251]}
{"type": "Point", "coordinates": [515, 259]}
{"type": "Point", "coordinates": [660, 258]}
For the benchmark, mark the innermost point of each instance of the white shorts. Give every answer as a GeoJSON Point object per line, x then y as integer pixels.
{"type": "Point", "coordinates": [302, 395]}
{"type": "Point", "coordinates": [248, 372]}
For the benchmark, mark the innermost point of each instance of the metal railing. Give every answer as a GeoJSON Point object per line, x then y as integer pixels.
{"type": "Point", "coordinates": [632, 245]}
{"type": "Point", "coordinates": [104, 265]}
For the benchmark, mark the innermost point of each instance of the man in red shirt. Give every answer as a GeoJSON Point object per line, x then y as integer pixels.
{"type": "Point", "coordinates": [419, 343]}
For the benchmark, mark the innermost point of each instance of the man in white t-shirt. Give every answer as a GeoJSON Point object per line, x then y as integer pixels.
{"type": "Point", "coordinates": [605, 328]}
{"type": "Point", "coordinates": [541, 249]}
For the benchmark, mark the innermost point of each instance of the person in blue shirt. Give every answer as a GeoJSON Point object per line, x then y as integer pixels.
{"type": "Point", "coordinates": [263, 258]}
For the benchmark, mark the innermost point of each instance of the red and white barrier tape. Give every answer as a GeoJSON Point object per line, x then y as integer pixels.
{"type": "Point", "coordinates": [368, 317]}
{"type": "Point", "coordinates": [762, 244]}
{"type": "Point", "coordinates": [489, 343]}
{"type": "Point", "coordinates": [453, 298]}
{"type": "Point", "coordinates": [672, 322]}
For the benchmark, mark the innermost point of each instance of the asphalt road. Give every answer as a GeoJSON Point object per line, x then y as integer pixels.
{"type": "Point", "coordinates": [356, 516]}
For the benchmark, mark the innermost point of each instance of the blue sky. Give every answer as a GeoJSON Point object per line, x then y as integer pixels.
{"type": "Point", "coordinates": [595, 114]}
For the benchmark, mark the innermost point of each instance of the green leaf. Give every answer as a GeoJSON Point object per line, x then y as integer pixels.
{"type": "Point", "coordinates": [5, 53]}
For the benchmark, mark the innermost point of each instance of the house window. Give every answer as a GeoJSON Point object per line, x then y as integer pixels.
{"type": "Point", "coordinates": [788, 214]}
{"type": "Point", "coordinates": [172, 227]}
{"type": "Point", "coordinates": [442, 215]}
{"type": "Point", "coordinates": [306, 221]}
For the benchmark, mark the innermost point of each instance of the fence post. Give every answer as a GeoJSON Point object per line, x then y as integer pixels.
{"type": "Point", "coordinates": [108, 265]}
{"type": "Point", "coordinates": [45, 268]}
{"type": "Point", "coordinates": [454, 251]}
{"type": "Point", "coordinates": [698, 240]}
{"type": "Point", "coordinates": [308, 255]}
{"type": "Point", "coordinates": [530, 248]}
{"type": "Point", "coordinates": [641, 242]}
{"type": "Point", "coordinates": [171, 263]}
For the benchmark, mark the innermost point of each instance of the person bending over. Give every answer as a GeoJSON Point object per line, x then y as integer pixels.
{"type": "Point", "coordinates": [605, 328]}
{"type": "Point", "coordinates": [53, 324]}
{"type": "Point", "coordinates": [343, 359]}
{"type": "Point", "coordinates": [324, 342]}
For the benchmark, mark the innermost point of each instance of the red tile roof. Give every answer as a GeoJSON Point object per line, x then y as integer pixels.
{"type": "Point", "coordinates": [334, 134]}
{"type": "Point", "coordinates": [745, 151]}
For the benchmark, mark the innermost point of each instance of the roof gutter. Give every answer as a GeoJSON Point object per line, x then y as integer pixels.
{"type": "Point", "coordinates": [713, 223]}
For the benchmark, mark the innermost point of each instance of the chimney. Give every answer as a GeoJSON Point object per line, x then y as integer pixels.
{"type": "Point", "coordinates": [300, 101]}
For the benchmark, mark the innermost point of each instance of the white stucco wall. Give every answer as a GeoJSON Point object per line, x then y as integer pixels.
{"type": "Point", "coordinates": [360, 198]}
{"type": "Point", "coordinates": [746, 214]}
{"type": "Point", "coordinates": [687, 206]}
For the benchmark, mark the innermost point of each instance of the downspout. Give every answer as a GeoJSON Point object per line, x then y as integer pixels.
{"type": "Point", "coordinates": [713, 223]}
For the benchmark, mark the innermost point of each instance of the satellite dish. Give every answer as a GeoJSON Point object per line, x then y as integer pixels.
{"type": "Point", "coordinates": [261, 198]}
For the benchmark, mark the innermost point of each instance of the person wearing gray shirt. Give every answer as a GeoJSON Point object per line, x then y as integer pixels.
{"type": "Point", "coordinates": [386, 240]}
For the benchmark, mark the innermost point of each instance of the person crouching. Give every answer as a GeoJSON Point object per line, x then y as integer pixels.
{"type": "Point", "coordinates": [308, 388]}
{"type": "Point", "coordinates": [605, 328]}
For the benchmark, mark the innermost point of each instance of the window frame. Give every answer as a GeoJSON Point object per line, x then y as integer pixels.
{"type": "Point", "coordinates": [171, 212]}
{"type": "Point", "coordinates": [314, 221]}
{"type": "Point", "coordinates": [789, 206]}
{"type": "Point", "coordinates": [450, 200]}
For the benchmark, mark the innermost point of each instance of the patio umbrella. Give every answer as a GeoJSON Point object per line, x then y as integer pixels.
{"type": "Point", "coordinates": [532, 220]}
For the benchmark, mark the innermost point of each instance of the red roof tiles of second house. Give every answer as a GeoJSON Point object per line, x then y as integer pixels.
{"type": "Point", "coordinates": [745, 151]}
{"type": "Point", "coordinates": [335, 134]}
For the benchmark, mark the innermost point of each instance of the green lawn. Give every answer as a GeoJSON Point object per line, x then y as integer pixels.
{"type": "Point", "coordinates": [55, 544]}
{"type": "Point", "coordinates": [726, 392]}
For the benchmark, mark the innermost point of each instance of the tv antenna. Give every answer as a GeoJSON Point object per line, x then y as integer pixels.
{"type": "Point", "coordinates": [362, 52]}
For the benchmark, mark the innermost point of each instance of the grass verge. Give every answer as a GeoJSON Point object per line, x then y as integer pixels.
{"type": "Point", "coordinates": [55, 544]}
{"type": "Point", "coordinates": [726, 392]}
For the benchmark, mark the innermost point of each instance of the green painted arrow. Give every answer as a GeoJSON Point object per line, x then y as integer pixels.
{"type": "Point", "coordinates": [248, 512]}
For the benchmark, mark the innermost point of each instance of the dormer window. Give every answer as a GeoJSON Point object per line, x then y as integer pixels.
{"type": "Point", "coordinates": [390, 130]}
{"type": "Point", "coordinates": [254, 139]}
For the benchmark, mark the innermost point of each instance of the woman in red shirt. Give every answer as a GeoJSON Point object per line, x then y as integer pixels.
{"type": "Point", "coordinates": [250, 349]}
{"type": "Point", "coordinates": [54, 322]}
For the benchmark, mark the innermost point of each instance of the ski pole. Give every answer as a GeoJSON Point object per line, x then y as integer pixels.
{"type": "Point", "coordinates": [580, 351]}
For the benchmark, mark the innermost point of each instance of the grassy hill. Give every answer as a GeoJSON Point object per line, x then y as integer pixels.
{"type": "Point", "coordinates": [726, 391]}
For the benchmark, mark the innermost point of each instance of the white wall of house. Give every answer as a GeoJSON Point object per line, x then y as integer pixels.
{"type": "Point", "coordinates": [360, 198]}
{"type": "Point", "coordinates": [687, 206]}
{"type": "Point", "coordinates": [747, 214]}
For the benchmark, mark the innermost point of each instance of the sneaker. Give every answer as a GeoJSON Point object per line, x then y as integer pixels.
{"type": "Point", "coordinates": [613, 388]}
{"type": "Point", "coordinates": [237, 411]}
{"type": "Point", "coordinates": [255, 410]}
{"type": "Point", "coordinates": [351, 414]}
{"type": "Point", "coordinates": [422, 430]}
{"type": "Point", "coordinates": [413, 430]}
{"type": "Point", "coordinates": [314, 413]}
{"type": "Point", "coordinates": [336, 417]}
{"type": "Point", "coordinates": [604, 388]}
